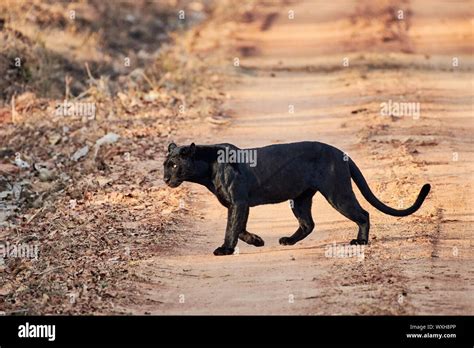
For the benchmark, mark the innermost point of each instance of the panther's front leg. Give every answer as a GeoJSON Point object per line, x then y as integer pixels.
{"type": "Point", "coordinates": [237, 216]}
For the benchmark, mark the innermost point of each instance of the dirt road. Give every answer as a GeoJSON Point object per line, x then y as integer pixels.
{"type": "Point", "coordinates": [323, 76]}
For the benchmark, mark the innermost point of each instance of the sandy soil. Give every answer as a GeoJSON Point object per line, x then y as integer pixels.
{"type": "Point", "coordinates": [422, 264]}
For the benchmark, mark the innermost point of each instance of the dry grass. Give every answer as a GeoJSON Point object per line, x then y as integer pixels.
{"type": "Point", "coordinates": [51, 44]}
{"type": "Point", "coordinates": [94, 217]}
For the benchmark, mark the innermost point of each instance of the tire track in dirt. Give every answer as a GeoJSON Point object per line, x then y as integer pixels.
{"type": "Point", "coordinates": [405, 147]}
{"type": "Point", "coordinates": [387, 21]}
{"type": "Point", "coordinates": [374, 276]}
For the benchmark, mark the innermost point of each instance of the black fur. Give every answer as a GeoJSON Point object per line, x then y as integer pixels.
{"type": "Point", "coordinates": [284, 172]}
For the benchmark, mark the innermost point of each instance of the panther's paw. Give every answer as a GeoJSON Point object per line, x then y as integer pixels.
{"type": "Point", "coordinates": [257, 241]}
{"type": "Point", "coordinates": [359, 242]}
{"type": "Point", "coordinates": [223, 251]}
{"type": "Point", "coordinates": [286, 241]}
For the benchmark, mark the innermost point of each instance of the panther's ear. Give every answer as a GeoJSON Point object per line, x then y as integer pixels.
{"type": "Point", "coordinates": [192, 149]}
{"type": "Point", "coordinates": [171, 147]}
{"type": "Point", "coordinates": [189, 151]}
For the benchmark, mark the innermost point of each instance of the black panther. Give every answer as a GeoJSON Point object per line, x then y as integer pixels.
{"type": "Point", "coordinates": [281, 172]}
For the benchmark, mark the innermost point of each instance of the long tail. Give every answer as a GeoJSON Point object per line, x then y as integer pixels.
{"type": "Point", "coordinates": [370, 197]}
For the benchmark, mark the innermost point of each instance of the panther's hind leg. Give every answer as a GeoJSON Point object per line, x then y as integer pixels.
{"type": "Point", "coordinates": [251, 238]}
{"type": "Point", "coordinates": [346, 203]}
{"type": "Point", "coordinates": [302, 210]}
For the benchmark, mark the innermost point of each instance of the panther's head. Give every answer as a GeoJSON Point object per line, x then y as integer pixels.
{"type": "Point", "coordinates": [179, 164]}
